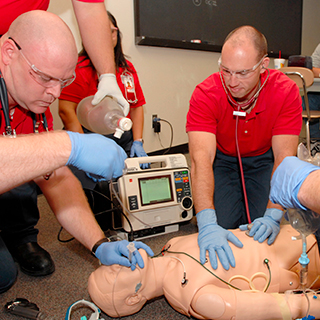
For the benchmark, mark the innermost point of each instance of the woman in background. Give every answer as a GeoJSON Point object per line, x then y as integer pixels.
{"type": "Point", "coordinates": [86, 83]}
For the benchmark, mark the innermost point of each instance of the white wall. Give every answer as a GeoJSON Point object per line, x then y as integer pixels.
{"type": "Point", "coordinates": [168, 76]}
{"type": "Point", "coordinates": [310, 26]}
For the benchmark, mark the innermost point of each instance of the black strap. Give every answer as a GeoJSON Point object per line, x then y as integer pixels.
{"type": "Point", "coordinates": [5, 103]}
{"type": "Point", "coordinates": [5, 107]}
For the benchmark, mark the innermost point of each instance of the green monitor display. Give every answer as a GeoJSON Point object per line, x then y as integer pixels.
{"type": "Point", "coordinates": [155, 190]}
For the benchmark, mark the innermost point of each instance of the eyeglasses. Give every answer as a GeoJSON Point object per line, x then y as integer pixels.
{"type": "Point", "coordinates": [243, 74]}
{"type": "Point", "coordinates": [42, 78]}
{"type": "Point", "coordinates": [114, 29]}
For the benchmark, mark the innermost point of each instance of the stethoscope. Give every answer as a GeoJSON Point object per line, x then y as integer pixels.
{"type": "Point", "coordinates": [5, 108]}
{"type": "Point", "coordinates": [129, 86]}
{"type": "Point", "coordinates": [11, 133]}
{"type": "Point", "coordinates": [252, 101]}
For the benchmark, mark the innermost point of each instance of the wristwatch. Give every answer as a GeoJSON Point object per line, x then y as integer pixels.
{"type": "Point", "coordinates": [95, 247]}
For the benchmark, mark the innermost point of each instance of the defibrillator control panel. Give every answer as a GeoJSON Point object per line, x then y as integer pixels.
{"type": "Point", "coordinates": [160, 195]}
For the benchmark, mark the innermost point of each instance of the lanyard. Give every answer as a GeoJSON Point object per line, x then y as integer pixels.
{"type": "Point", "coordinates": [9, 132]}
{"type": "Point", "coordinates": [37, 123]}
{"type": "Point", "coordinates": [5, 108]}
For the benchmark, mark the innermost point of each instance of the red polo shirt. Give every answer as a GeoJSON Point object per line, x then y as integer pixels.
{"type": "Point", "coordinates": [278, 111]}
{"type": "Point", "coordinates": [11, 9]}
{"type": "Point", "coordinates": [86, 83]}
{"type": "Point", "coordinates": [22, 121]}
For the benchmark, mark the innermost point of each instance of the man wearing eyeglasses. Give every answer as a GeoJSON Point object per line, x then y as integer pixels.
{"type": "Point", "coordinates": [38, 58]}
{"type": "Point", "coordinates": [242, 122]}
{"type": "Point", "coordinates": [92, 18]}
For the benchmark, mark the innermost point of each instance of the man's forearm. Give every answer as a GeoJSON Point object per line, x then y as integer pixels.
{"type": "Point", "coordinates": [309, 192]}
{"type": "Point", "coordinates": [26, 157]}
{"type": "Point", "coordinates": [67, 200]}
{"type": "Point", "coordinates": [202, 182]}
{"type": "Point", "coordinates": [94, 26]}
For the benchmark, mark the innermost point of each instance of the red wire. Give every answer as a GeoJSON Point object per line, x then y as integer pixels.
{"type": "Point", "coordinates": [241, 172]}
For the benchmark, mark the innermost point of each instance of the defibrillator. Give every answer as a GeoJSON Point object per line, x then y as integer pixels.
{"type": "Point", "coordinates": [154, 200]}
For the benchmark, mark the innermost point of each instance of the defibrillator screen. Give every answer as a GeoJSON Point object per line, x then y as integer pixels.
{"type": "Point", "coordinates": [155, 190]}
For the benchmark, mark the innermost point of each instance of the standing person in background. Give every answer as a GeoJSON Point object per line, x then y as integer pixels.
{"type": "Point", "coordinates": [85, 85]}
{"type": "Point", "coordinates": [93, 24]}
{"type": "Point", "coordinates": [244, 116]}
{"type": "Point", "coordinates": [314, 97]}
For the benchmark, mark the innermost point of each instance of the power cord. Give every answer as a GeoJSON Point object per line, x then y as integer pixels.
{"type": "Point", "coordinates": [116, 209]}
{"type": "Point", "coordinates": [157, 127]}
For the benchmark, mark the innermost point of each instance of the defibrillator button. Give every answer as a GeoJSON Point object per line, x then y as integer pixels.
{"type": "Point", "coordinates": [133, 202]}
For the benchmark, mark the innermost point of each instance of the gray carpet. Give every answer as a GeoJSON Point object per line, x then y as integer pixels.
{"type": "Point", "coordinates": [55, 293]}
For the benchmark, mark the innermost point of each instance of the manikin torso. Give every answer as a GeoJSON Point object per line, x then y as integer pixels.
{"type": "Point", "coordinates": [283, 262]}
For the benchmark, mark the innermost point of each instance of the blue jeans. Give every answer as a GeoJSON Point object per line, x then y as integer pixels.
{"type": "Point", "coordinates": [314, 104]}
{"type": "Point", "coordinates": [228, 192]}
{"type": "Point", "coordinates": [8, 269]}
{"type": "Point", "coordinates": [20, 215]}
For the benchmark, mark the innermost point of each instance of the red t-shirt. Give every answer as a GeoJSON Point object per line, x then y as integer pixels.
{"type": "Point", "coordinates": [86, 83]}
{"type": "Point", "coordinates": [278, 111]}
{"type": "Point", "coordinates": [21, 120]}
{"type": "Point", "coordinates": [11, 9]}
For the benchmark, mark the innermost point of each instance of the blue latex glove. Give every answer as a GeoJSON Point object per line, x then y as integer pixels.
{"type": "Point", "coordinates": [96, 154]}
{"type": "Point", "coordinates": [214, 239]}
{"type": "Point", "coordinates": [287, 180]}
{"type": "Point", "coordinates": [266, 227]}
{"type": "Point", "coordinates": [137, 149]}
{"type": "Point", "coordinates": [117, 253]}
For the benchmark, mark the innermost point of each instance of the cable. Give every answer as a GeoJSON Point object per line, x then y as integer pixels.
{"type": "Point", "coordinates": [250, 281]}
{"type": "Point", "coordinates": [241, 173]}
{"type": "Point", "coordinates": [171, 139]}
{"type": "Point", "coordinates": [266, 262]}
{"type": "Point", "coordinates": [115, 210]}
{"type": "Point", "coordinates": [5, 105]}
{"type": "Point", "coordinates": [126, 210]}
{"type": "Point", "coordinates": [188, 255]}
{"type": "Point", "coordinates": [252, 101]}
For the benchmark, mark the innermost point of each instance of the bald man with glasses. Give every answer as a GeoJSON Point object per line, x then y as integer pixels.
{"type": "Point", "coordinates": [38, 58]}
{"type": "Point", "coordinates": [242, 122]}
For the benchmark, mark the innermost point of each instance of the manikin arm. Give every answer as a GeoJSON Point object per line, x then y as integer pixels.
{"type": "Point", "coordinates": [212, 302]}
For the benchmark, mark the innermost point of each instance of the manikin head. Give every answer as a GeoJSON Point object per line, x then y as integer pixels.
{"type": "Point", "coordinates": [244, 49]}
{"type": "Point", "coordinates": [119, 291]}
{"type": "Point", "coordinates": [38, 58]}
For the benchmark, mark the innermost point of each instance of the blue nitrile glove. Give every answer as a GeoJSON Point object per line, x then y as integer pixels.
{"type": "Point", "coordinates": [117, 253]}
{"type": "Point", "coordinates": [265, 227]}
{"type": "Point", "coordinates": [96, 154]}
{"type": "Point", "coordinates": [287, 180]}
{"type": "Point", "coordinates": [214, 239]}
{"type": "Point", "coordinates": [137, 149]}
